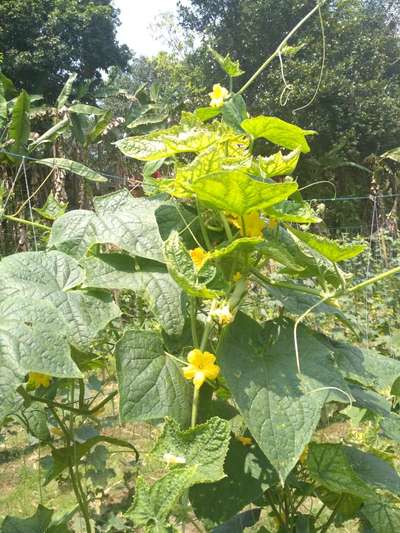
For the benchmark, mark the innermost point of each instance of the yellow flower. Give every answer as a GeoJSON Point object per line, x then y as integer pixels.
{"type": "Point", "coordinates": [218, 95]}
{"type": "Point", "coordinates": [246, 441]}
{"type": "Point", "coordinates": [199, 257]}
{"type": "Point", "coordinates": [37, 380]}
{"type": "Point", "coordinates": [236, 277]}
{"type": "Point", "coordinates": [201, 367]}
{"type": "Point", "coordinates": [222, 315]}
{"type": "Point", "coordinates": [253, 224]}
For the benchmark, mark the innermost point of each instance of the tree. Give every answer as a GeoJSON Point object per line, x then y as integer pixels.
{"type": "Point", "coordinates": [357, 107]}
{"type": "Point", "coordinates": [45, 40]}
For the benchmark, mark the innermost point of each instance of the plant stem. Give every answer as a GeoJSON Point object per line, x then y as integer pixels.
{"type": "Point", "coordinates": [195, 406]}
{"type": "Point", "coordinates": [284, 284]}
{"type": "Point", "coordinates": [379, 277]}
{"type": "Point", "coordinates": [206, 334]}
{"type": "Point", "coordinates": [280, 46]}
{"type": "Point", "coordinates": [202, 226]}
{"type": "Point", "coordinates": [227, 227]}
{"type": "Point", "coordinates": [325, 528]}
{"type": "Point", "coordinates": [193, 319]}
{"type": "Point", "coordinates": [27, 222]}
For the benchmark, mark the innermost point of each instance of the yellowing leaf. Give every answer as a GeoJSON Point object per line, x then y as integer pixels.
{"type": "Point", "coordinates": [278, 164]}
{"type": "Point", "coordinates": [278, 132]}
{"type": "Point", "coordinates": [236, 192]}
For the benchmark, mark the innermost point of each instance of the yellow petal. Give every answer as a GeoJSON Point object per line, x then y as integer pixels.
{"type": "Point", "coordinates": [208, 358]}
{"type": "Point", "coordinates": [39, 380]}
{"type": "Point", "coordinates": [212, 372]}
{"type": "Point", "coordinates": [199, 379]}
{"type": "Point", "coordinates": [189, 372]}
{"type": "Point", "coordinates": [195, 357]}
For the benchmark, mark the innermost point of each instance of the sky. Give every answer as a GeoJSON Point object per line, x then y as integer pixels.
{"type": "Point", "coordinates": [136, 16]}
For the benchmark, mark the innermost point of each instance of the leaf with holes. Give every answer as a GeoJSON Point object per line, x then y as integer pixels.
{"type": "Point", "coordinates": [281, 408]}
{"type": "Point", "coordinates": [204, 447]}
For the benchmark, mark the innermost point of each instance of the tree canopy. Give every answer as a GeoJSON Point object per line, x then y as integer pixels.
{"type": "Point", "coordinates": [42, 41]}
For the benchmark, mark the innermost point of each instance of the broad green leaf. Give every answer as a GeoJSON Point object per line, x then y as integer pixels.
{"type": "Point", "coordinates": [332, 250]}
{"type": "Point", "coordinates": [60, 457]}
{"type": "Point", "coordinates": [52, 278]}
{"type": "Point", "coordinates": [234, 112]}
{"type": "Point", "coordinates": [392, 154]}
{"type": "Point", "coordinates": [288, 211]}
{"type": "Point", "coordinates": [153, 504]}
{"type": "Point", "coordinates": [175, 140]}
{"type": "Point", "coordinates": [7, 87]}
{"type": "Point", "coordinates": [66, 91]}
{"type": "Point", "coordinates": [117, 271]}
{"type": "Point", "coordinates": [243, 244]}
{"type": "Point", "coordinates": [51, 134]}
{"type": "Point", "coordinates": [20, 125]}
{"type": "Point", "coordinates": [240, 522]}
{"type": "Point", "coordinates": [365, 366]}
{"type": "Point", "coordinates": [182, 270]}
{"type": "Point", "coordinates": [236, 192]}
{"type": "Point", "coordinates": [84, 109]}
{"type": "Point", "coordinates": [297, 302]}
{"type": "Point", "coordinates": [74, 167]}
{"type": "Point", "coordinates": [383, 515]}
{"type": "Point", "coordinates": [248, 475]}
{"type": "Point", "coordinates": [279, 132]}
{"type": "Point", "coordinates": [390, 425]}
{"type": "Point", "coordinates": [120, 219]}
{"type": "Point", "coordinates": [280, 407]}
{"type": "Point", "coordinates": [151, 384]}
{"type": "Point", "coordinates": [204, 447]}
{"type": "Point", "coordinates": [38, 523]}
{"type": "Point", "coordinates": [278, 164]}
{"type": "Point", "coordinates": [344, 469]}
{"type": "Point", "coordinates": [30, 347]}
{"type": "Point", "coordinates": [314, 265]}
{"type": "Point", "coordinates": [205, 113]}
{"type": "Point", "coordinates": [100, 125]}
{"type": "Point", "coordinates": [369, 399]}
{"type": "Point", "coordinates": [36, 418]}
{"type": "Point", "coordinates": [228, 65]}
{"type": "Point", "coordinates": [52, 209]}
{"type": "Point", "coordinates": [148, 118]}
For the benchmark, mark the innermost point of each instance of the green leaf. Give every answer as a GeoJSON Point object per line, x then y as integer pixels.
{"type": "Point", "coordinates": [297, 302]}
{"type": "Point", "coordinates": [66, 91]}
{"type": "Point", "coordinates": [101, 124]}
{"type": "Point", "coordinates": [20, 125]}
{"type": "Point", "coordinates": [153, 504]}
{"type": "Point", "coordinates": [332, 250]}
{"type": "Point", "coordinates": [149, 118]}
{"type": "Point", "coordinates": [278, 164]}
{"type": "Point", "coordinates": [248, 475]}
{"type": "Point", "coordinates": [365, 366]}
{"type": "Point", "coordinates": [182, 270]}
{"type": "Point", "coordinates": [32, 279]}
{"type": "Point", "coordinates": [117, 271]}
{"type": "Point", "coordinates": [151, 384]}
{"type": "Point", "coordinates": [228, 65]}
{"type": "Point", "coordinates": [234, 112]}
{"type": "Point", "coordinates": [74, 167]}
{"type": "Point", "coordinates": [38, 523]}
{"type": "Point", "coordinates": [243, 244]}
{"type": "Point", "coordinates": [84, 109]}
{"type": "Point", "coordinates": [51, 134]}
{"type": "Point", "coordinates": [280, 407]}
{"type": "Point", "coordinates": [298, 212]}
{"type": "Point", "coordinates": [35, 415]}
{"type": "Point", "coordinates": [344, 469]}
{"type": "Point", "coordinates": [52, 209]}
{"type": "Point", "coordinates": [392, 154]}
{"type": "Point", "coordinates": [120, 219]}
{"type": "Point", "coordinates": [30, 347]}
{"type": "Point", "coordinates": [3, 111]}
{"type": "Point", "coordinates": [166, 143]}
{"type": "Point", "coordinates": [7, 87]}
{"type": "Point", "coordinates": [236, 192]}
{"type": "Point", "coordinates": [279, 132]}
{"type": "Point", "coordinates": [383, 515]}
{"type": "Point", "coordinates": [206, 113]}
{"type": "Point", "coordinates": [204, 447]}
{"type": "Point", "coordinates": [238, 523]}
{"type": "Point", "coordinates": [390, 426]}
